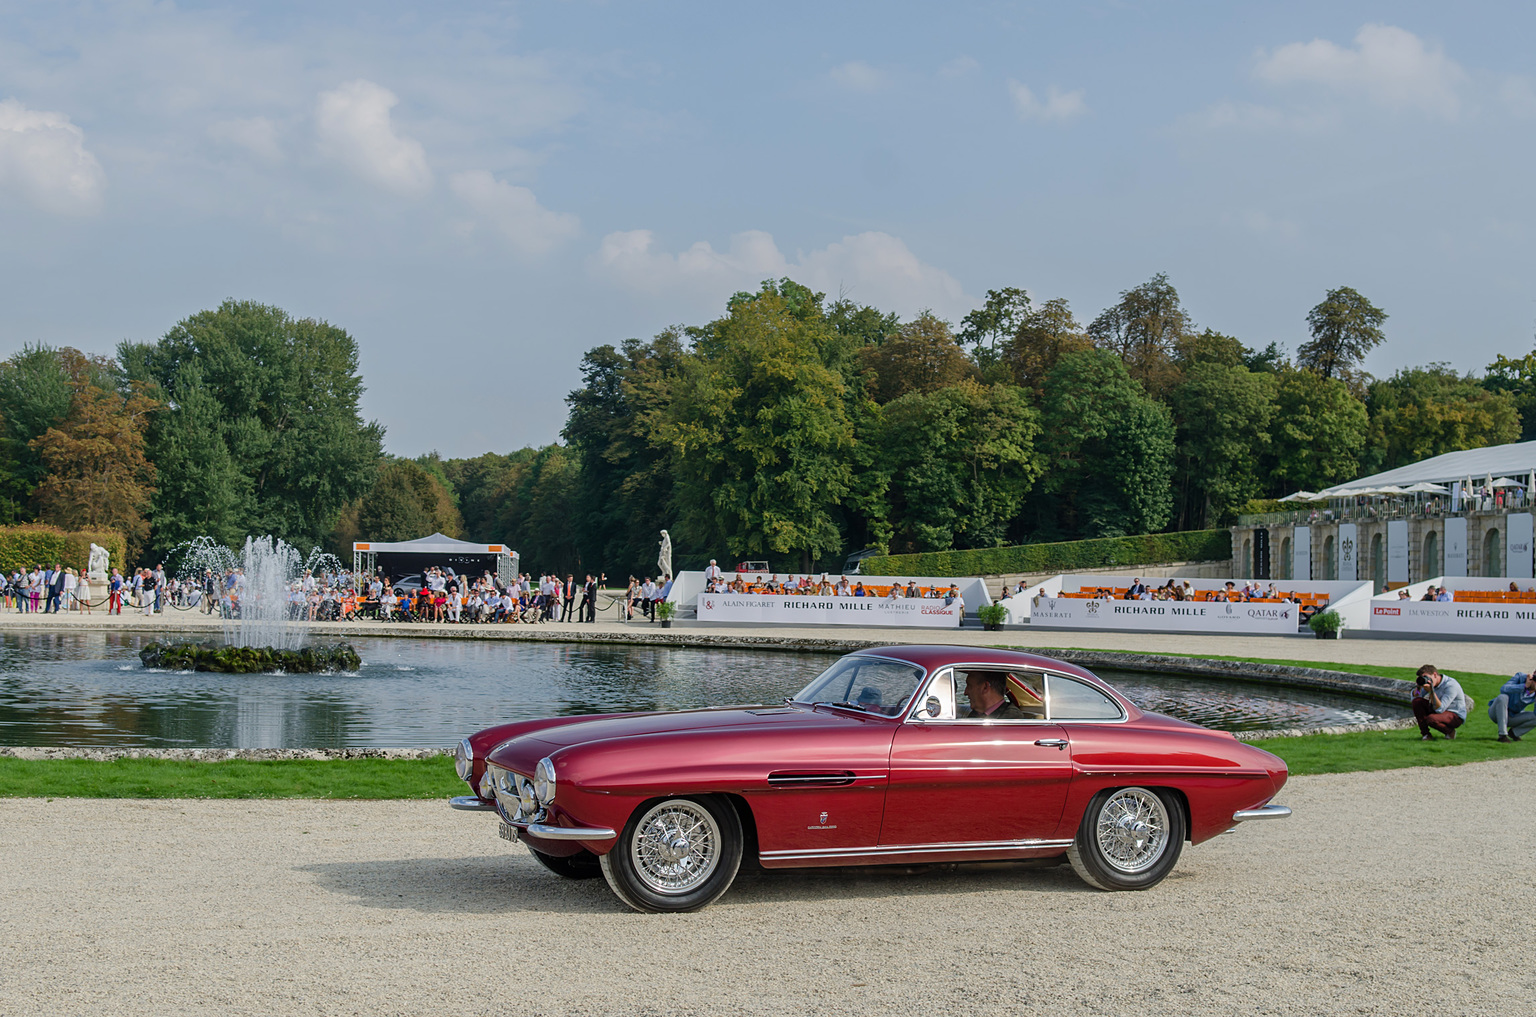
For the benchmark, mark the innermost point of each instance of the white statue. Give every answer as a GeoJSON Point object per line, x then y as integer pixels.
{"type": "Point", "coordinates": [664, 559]}
{"type": "Point", "coordinates": [96, 566]}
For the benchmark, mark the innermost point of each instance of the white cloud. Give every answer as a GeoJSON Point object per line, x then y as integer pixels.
{"type": "Point", "coordinates": [1253, 117]}
{"type": "Point", "coordinates": [1387, 65]}
{"type": "Point", "coordinates": [858, 76]}
{"type": "Point", "coordinates": [43, 156]}
{"type": "Point", "coordinates": [872, 268]}
{"type": "Point", "coordinates": [256, 135]}
{"type": "Point", "coordinates": [355, 129]}
{"type": "Point", "coordinates": [513, 212]}
{"type": "Point", "coordinates": [1058, 105]}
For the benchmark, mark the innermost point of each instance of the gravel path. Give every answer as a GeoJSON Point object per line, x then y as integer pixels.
{"type": "Point", "coordinates": [173, 907]}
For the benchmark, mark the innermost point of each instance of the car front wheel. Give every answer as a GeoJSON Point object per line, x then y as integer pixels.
{"type": "Point", "coordinates": [677, 854]}
{"type": "Point", "coordinates": [1130, 839]}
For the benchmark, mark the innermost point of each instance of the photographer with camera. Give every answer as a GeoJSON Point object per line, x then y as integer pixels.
{"type": "Point", "coordinates": [1438, 703]}
{"type": "Point", "coordinates": [1508, 707]}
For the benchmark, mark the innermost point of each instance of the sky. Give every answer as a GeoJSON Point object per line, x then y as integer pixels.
{"type": "Point", "coordinates": [481, 192]}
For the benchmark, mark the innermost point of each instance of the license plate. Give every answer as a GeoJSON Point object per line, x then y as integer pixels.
{"type": "Point", "coordinates": [507, 832]}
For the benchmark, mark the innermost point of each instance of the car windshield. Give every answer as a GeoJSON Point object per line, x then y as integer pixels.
{"type": "Point", "coordinates": [865, 683]}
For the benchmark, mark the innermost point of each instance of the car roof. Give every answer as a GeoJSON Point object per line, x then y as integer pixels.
{"type": "Point", "coordinates": [934, 655]}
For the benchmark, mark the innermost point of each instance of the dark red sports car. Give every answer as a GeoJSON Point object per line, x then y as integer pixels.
{"type": "Point", "coordinates": [900, 755]}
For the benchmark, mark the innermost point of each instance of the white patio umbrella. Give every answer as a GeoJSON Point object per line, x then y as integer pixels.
{"type": "Point", "coordinates": [1427, 488]}
{"type": "Point", "coordinates": [1506, 482]}
{"type": "Point", "coordinates": [1304, 496]}
{"type": "Point", "coordinates": [1389, 489]}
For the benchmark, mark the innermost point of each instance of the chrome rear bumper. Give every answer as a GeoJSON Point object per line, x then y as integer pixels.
{"type": "Point", "coordinates": [1263, 812]}
{"type": "Point", "coordinates": [469, 803]}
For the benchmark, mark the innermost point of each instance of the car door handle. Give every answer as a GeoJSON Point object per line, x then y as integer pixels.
{"type": "Point", "coordinates": [1052, 743]}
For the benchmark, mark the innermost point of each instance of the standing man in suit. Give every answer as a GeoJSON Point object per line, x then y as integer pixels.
{"type": "Point", "coordinates": [55, 589]}
{"type": "Point", "coordinates": [568, 606]}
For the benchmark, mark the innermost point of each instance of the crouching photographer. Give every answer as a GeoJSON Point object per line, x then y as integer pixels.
{"type": "Point", "coordinates": [1508, 708]}
{"type": "Point", "coordinates": [1438, 703]}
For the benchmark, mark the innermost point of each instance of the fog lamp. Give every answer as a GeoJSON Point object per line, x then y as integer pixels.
{"type": "Point", "coordinates": [526, 797]}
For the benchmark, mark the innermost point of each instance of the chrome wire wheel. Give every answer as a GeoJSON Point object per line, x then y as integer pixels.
{"type": "Point", "coordinates": [676, 847]}
{"type": "Point", "coordinates": [1132, 830]}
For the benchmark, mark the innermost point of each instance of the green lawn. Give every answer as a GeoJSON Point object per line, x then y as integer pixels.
{"type": "Point", "coordinates": [434, 778]}
{"type": "Point", "coordinates": [236, 778]}
{"type": "Point", "coordinates": [1476, 740]}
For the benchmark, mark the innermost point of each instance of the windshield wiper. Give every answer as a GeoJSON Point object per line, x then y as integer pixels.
{"type": "Point", "coordinates": [850, 706]}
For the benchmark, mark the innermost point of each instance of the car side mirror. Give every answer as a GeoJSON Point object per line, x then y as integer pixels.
{"type": "Point", "coordinates": [932, 707]}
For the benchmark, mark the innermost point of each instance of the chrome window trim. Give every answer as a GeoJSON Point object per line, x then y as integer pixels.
{"type": "Point", "coordinates": [1048, 721]}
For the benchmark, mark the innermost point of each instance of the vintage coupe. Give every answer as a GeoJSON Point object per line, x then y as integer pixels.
{"type": "Point", "coordinates": [876, 761]}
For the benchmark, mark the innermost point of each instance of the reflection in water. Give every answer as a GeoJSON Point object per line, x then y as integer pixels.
{"type": "Point", "coordinates": [89, 689]}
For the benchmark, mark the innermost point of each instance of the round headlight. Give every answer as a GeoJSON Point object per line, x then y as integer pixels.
{"type": "Point", "coordinates": [544, 780]}
{"type": "Point", "coordinates": [464, 759]}
{"type": "Point", "coordinates": [526, 797]}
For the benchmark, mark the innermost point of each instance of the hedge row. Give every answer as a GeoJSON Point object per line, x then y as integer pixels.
{"type": "Point", "coordinates": [1068, 556]}
{"type": "Point", "coordinates": [22, 547]}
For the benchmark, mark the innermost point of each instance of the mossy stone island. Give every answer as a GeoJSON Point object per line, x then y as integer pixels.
{"type": "Point", "coordinates": [190, 656]}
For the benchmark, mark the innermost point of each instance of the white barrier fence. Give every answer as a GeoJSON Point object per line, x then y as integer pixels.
{"type": "Point", "coordinates": [1391, 613]}
{"type": "Point", "coordinates": [777, 610]}
{"type": "Point", "coordinates": [1045, 606]}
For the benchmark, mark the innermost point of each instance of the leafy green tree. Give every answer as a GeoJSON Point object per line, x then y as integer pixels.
{"type": "Point", "coordinates": [922, 356]}
{"type": "Point", "coordinates": [201, 492]}
{"type": "Point", "coordinates": [1517, 378]}
{"type": "Point", "coordinates": [1425, 411]}
{"type": "Point", "coordinates": [1318, 433]}
{"type": "Point", "coordinates": [1223, 412]}
{"type": "Point", "coordinates": [759, 432]}
{"type": "Point", "coordinates": [406, 501]}
{"type": "Point", "coordinates": [1109, 451]}
{"type": "Point", "coordinates": [960, 460]}
{"type": "Point", "coordinates": [1345, 327]}
{"type": "Point", "coordinates": [537, 496]}
{"type": "Point", "coordinates": [35, 394]}
{"type": "Point", "coordinates": [625, 478]}
{"type": "Point", "coordinates": [1144, 329]}
{"type": "Point", "coordinates": [287, 391]}
{"type": "Point", "coordinates": [1044, 335]}
{"type": "Point", "coordinates": [990, 326]}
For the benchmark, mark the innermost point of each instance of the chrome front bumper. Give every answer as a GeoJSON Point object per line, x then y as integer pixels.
{"type": "Point", "coordinates": [469, 803]}
{"type": "Point", "coordinates": [568, 832]}
{"type": "Point", "coordinates": [1263, 812]}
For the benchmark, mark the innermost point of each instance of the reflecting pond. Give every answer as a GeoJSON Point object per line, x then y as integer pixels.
{"type": "Point", "coordinates": [89, 689]}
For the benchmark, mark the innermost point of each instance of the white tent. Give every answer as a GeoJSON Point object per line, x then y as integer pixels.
{"type": "Point", "coordinates": [1513, 460]}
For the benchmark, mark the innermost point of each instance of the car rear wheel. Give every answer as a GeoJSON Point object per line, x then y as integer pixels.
{"type": "Point", "coordinates": [676, 854]}
{"type": "Point", "coordinates": [581, 865]}
{"type": "Point", "coordinates": [1130, 839]}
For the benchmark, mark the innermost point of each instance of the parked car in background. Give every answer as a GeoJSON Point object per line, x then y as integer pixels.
{"type": "Point", "coordinates": [752, 566]}
{"type": "Point", "coordinates": [879, 760]}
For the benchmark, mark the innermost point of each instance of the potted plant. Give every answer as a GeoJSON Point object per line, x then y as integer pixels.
{"type": "Point", "coordinates": [664, 611]}
{"type": "Point", "coordinates": [992, 616]}
{"type": "Point", "coordinates": [1326, 624]}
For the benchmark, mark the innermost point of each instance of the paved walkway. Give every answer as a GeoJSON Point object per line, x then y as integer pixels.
{"type": "Point", "coordinates": [383, 908]}
{"type": "Point", "coordinates": [1492, 656]}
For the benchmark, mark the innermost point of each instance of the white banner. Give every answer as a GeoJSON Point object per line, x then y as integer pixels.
{"type": "Point", "coordinates": [1301, 553]}
{"type": "Point", "coordinates": [751, 607]}
{"type": "Point", "coordinates": [1518, 547]}
{"type": "Point", "coordinates": [1456, 546]}
{"type": "Point", "coordinates": [1455, 617]}
{"type": "Point", "coordinates": [1349, 553]}
{"type": "Point", "coordinates": [1397, 550]}
{"type": "Point", "coordinates": [1180, 616]}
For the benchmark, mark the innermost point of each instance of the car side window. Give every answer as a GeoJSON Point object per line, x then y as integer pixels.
{"type": "Point", "coordinates": [1075, 700]}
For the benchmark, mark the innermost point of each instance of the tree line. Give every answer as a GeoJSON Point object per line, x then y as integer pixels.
{"type": "Point", "coordinates": [790, 428]}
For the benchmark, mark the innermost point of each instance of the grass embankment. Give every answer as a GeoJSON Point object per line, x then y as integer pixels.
{"type": "Point", "coordinates": [364, 779]}
{"type": "Point", "coordinates": [1476, 740]}
{"type": "Point", "coordinates": [235, 778]}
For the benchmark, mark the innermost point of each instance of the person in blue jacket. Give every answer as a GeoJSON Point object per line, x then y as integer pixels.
{"type": "Point", "coordinates": [1509, 708]}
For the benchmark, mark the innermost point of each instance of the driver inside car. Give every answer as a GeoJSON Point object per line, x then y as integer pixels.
{"type": "Point", "coordinates": [989, 700]}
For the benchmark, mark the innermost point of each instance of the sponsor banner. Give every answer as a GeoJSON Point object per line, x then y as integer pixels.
{"type": "Point", "coordinates": [1397, 551]}
{"type": "Point", "coordinates": [748, 607]}
{"type": "Point", "coordinates": [1456, 546]}
{"type": "Point", "coordinates": [1349, 546]}
{"type": "Point", "coordinates": [1172, 615]}
{"type": "Point", "coordinates": [1518, 546]}
{"type": "Point", "coordinates": [1454, 618]}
